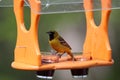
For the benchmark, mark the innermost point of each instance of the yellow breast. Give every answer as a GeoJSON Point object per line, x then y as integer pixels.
{"type": "Point", "coordinates": [55, 44]}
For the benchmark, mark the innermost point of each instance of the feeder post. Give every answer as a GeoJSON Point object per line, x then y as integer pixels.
{"type": "Point", "coordinates": [97, 41]}
{"type": "Point", "coordinates": [27, 53]}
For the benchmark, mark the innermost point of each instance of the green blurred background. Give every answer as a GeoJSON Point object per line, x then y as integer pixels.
{"type": "Point", "coordinates": [72, 27]}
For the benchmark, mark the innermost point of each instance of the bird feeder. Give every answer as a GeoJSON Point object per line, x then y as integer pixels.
{"type": "Point", "coordinates": [96, 48]}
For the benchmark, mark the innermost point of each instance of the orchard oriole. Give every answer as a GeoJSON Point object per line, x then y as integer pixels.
{"type": "Point", "coordinates": [59, 44]}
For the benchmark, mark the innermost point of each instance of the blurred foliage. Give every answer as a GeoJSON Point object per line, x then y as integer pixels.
{"type": "Point", "coordinates": [61, 23]}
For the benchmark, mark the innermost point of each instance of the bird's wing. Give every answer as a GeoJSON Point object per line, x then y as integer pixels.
{"type": "Point", "coordinates": [63, 42]}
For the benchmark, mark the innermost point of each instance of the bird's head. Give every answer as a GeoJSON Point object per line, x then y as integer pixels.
{"type": "Point", "coordinates": [52, 34]}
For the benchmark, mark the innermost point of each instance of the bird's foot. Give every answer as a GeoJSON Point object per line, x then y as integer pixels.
{"type": "Point", "coordinates": [74, 59]}
{"type": "Point", "coordinates": [58, 55]}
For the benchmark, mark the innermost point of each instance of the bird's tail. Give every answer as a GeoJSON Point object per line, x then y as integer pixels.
{"type": "Point", "coordinates": [72, 56]}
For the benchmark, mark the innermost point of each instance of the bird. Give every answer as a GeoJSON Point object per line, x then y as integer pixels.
{"type": "Point", "coordinates": [59, 44]}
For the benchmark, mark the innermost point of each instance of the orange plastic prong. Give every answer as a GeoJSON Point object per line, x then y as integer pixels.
{"type": "Point", "coordinates": [27, 53]}
{"type": "Point", "coordinates": [97, 41]}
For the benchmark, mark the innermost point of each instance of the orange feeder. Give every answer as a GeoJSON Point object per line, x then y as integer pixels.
{"type": "Point", "coordinates": [96, 47]}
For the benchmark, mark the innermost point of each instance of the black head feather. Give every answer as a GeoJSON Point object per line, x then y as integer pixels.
{"type": "Point", "coordinates": [52, 34]}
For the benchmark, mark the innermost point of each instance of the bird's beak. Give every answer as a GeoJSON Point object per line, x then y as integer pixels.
{"type": "Point", "coordinates": [48, 32]}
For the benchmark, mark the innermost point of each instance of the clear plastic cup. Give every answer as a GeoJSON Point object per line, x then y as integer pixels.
{"type": "Point", "coordinates": [47, 74]}
{"type": "Point", "coordinates": [80, 73]}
